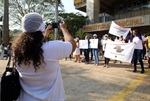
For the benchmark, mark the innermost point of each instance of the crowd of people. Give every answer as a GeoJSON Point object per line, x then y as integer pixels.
{"type": "Point", "coordinates": [141, 51]}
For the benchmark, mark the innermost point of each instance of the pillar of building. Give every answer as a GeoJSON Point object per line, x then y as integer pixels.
{"type": "Point", "coordinates": [93, 10]}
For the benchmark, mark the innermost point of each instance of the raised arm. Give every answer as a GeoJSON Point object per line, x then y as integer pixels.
{"type": "Point", "coordinates": [67, 36]}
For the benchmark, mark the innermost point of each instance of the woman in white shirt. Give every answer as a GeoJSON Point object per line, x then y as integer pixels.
{"type": "Point", "coordinates": [138, 40]}
{"type": "Point", "coordinates": [38, 61]}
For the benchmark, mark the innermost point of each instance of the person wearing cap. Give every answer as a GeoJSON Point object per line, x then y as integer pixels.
{"type": "Point", "coordinates": [95, 52]}
{"type": "Point", "coordinates": [104, 42]}
{"type": "Point", "coordinates": [38, 62]}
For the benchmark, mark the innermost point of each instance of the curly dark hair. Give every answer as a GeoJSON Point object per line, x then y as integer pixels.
{"type": "Point", "coordinates": [27, 49]}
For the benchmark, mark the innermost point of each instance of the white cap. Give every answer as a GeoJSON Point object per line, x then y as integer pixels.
{"type": "Point", "coordinates": [106, 35]}
{"type": "Point", "coordinates": [32, 22]}
{"type": "Point", "coordinates": [95, 35]}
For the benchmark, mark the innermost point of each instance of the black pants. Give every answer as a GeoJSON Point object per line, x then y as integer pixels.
{"type": "Point", "coordinates": [138, 56]}
{"type": "Point", "coordinates": [107, 61]}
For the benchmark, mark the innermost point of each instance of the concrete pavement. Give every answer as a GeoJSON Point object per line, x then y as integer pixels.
{"type": "Point", "coordinates": [85, 82]}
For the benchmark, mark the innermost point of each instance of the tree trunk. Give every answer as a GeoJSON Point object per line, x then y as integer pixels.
{"type": "Point", "coordinates": [5, 34]}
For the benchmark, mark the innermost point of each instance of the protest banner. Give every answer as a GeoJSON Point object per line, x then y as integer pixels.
{"type": "Point", "coordinates": [119, 51]}
{"type": "Point", "coordinates": [83, 44]}
{"type": "Point", "coordinates": [118, 31]}
{"type": "Point", "coordinates": [93, 43]}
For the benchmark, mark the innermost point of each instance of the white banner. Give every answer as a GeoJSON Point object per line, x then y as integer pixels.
{"type": "Point", "coordinates": [120, 51]}
{"type": "Point", "coordinates": [93, 43]}
{"type": "Point", "coordinates": [118, 31]}
{"type": "Point", "coordinates": [83, 44]}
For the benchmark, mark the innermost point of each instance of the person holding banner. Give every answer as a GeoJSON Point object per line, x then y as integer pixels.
{"type": "Point", "coordinates": [95, 52]}
{"type": "Point", "coordinates": [86, 52]}
{"type": "Point", "coordinates": [104, 42]}
{"type": "Point", "coordinates": [138, 40]}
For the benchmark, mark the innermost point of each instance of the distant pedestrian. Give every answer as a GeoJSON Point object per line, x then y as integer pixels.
{"type": "Point", "coordinates": [104, 42]}
{"type": "Point", "coordinates": [95, 52]}
{"type": "Point", "coordinates": [2, 51]}
{"type": "Point", "coordinates": [86, 51]}
{"type": "Point", "coordinates": [8, 51]}
{"type": "Point", "coordinates": [138, 40]}
{"type": "Point", "coordinates": [148, 49]}
{"type": "Point", "coordinates": [76, 53]}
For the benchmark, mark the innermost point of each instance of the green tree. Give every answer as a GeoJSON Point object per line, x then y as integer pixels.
{"type": "Point", "coordinates": [74, 22]}
{"type": "Point", "coordinates": [18, 8]}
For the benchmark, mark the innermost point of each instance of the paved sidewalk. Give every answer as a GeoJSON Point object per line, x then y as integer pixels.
{"type": "Point", "coordinates": [85, 82]}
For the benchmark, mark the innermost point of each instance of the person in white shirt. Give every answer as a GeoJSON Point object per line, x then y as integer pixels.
{"type": "Point", "coordinates": [38, 62]}
{"type": "Point", "coordinates": [2, 51]}
{"type": "Point", "coordinates": [138, 40]}
{"type": "Point", "coordinates": [76, 53]}
{"type": "Point", "coordinates": [104, 42]}
{"type": "Point", "coordinates": [95, 52]}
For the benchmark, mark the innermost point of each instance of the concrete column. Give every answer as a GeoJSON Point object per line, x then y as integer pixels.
{"type": "Point", "coordinates": [92, 10]}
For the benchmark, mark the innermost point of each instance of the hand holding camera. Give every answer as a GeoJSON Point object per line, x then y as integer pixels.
{"type": "Point", "coordinates": [58, 24]}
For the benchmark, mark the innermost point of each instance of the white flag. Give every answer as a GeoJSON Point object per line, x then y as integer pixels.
{"type": "Point", "coordinates": [120, 51]}
{"type": "Point", "coordinates": [118, 31]}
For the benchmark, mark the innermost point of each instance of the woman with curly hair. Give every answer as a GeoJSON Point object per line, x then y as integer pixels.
{"type": "Point", "coordinates": [38, 62]}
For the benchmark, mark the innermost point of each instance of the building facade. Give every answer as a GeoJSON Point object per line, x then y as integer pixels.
{"type": "Point", "coordinates": [134, 14]}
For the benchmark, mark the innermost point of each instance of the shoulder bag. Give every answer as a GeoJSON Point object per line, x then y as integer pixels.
{"type": "Point", "coordinates": [10, 85]}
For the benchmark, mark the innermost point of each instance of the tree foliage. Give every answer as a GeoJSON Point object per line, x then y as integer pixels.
{"type": "Point", "coordinates": [74, 22]}
{"type": "Point", "coordinates": [18, 8]}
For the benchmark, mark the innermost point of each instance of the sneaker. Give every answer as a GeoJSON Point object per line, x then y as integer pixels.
{"type": "Point", "coordinates": [142, 71]}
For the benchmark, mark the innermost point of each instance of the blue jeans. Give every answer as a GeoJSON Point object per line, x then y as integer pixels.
{"type": "Point", "coordinates": [95, 54]}
{"type": "Point", "coordinates": [138, 56]}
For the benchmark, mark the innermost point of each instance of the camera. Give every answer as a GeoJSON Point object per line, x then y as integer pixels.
{"type": "Point", "coordinates": [56, 25]}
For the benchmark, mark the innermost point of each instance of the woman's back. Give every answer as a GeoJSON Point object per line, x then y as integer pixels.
{"type": "Point", "coordinates": [46, 83]}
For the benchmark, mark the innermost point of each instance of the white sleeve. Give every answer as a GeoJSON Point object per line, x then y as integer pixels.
{"type": "Point", "coordinates": [64, 49]}
{"type": "Point", "coordinates": [56, 50]}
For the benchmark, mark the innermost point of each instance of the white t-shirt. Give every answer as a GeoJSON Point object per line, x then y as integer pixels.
{"type": "Point", "coordinates": [46, 83]}
{"type": "Point", "coordinates": [139, 43]}
{"type": "Point", "coordinates": [104, 42]}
